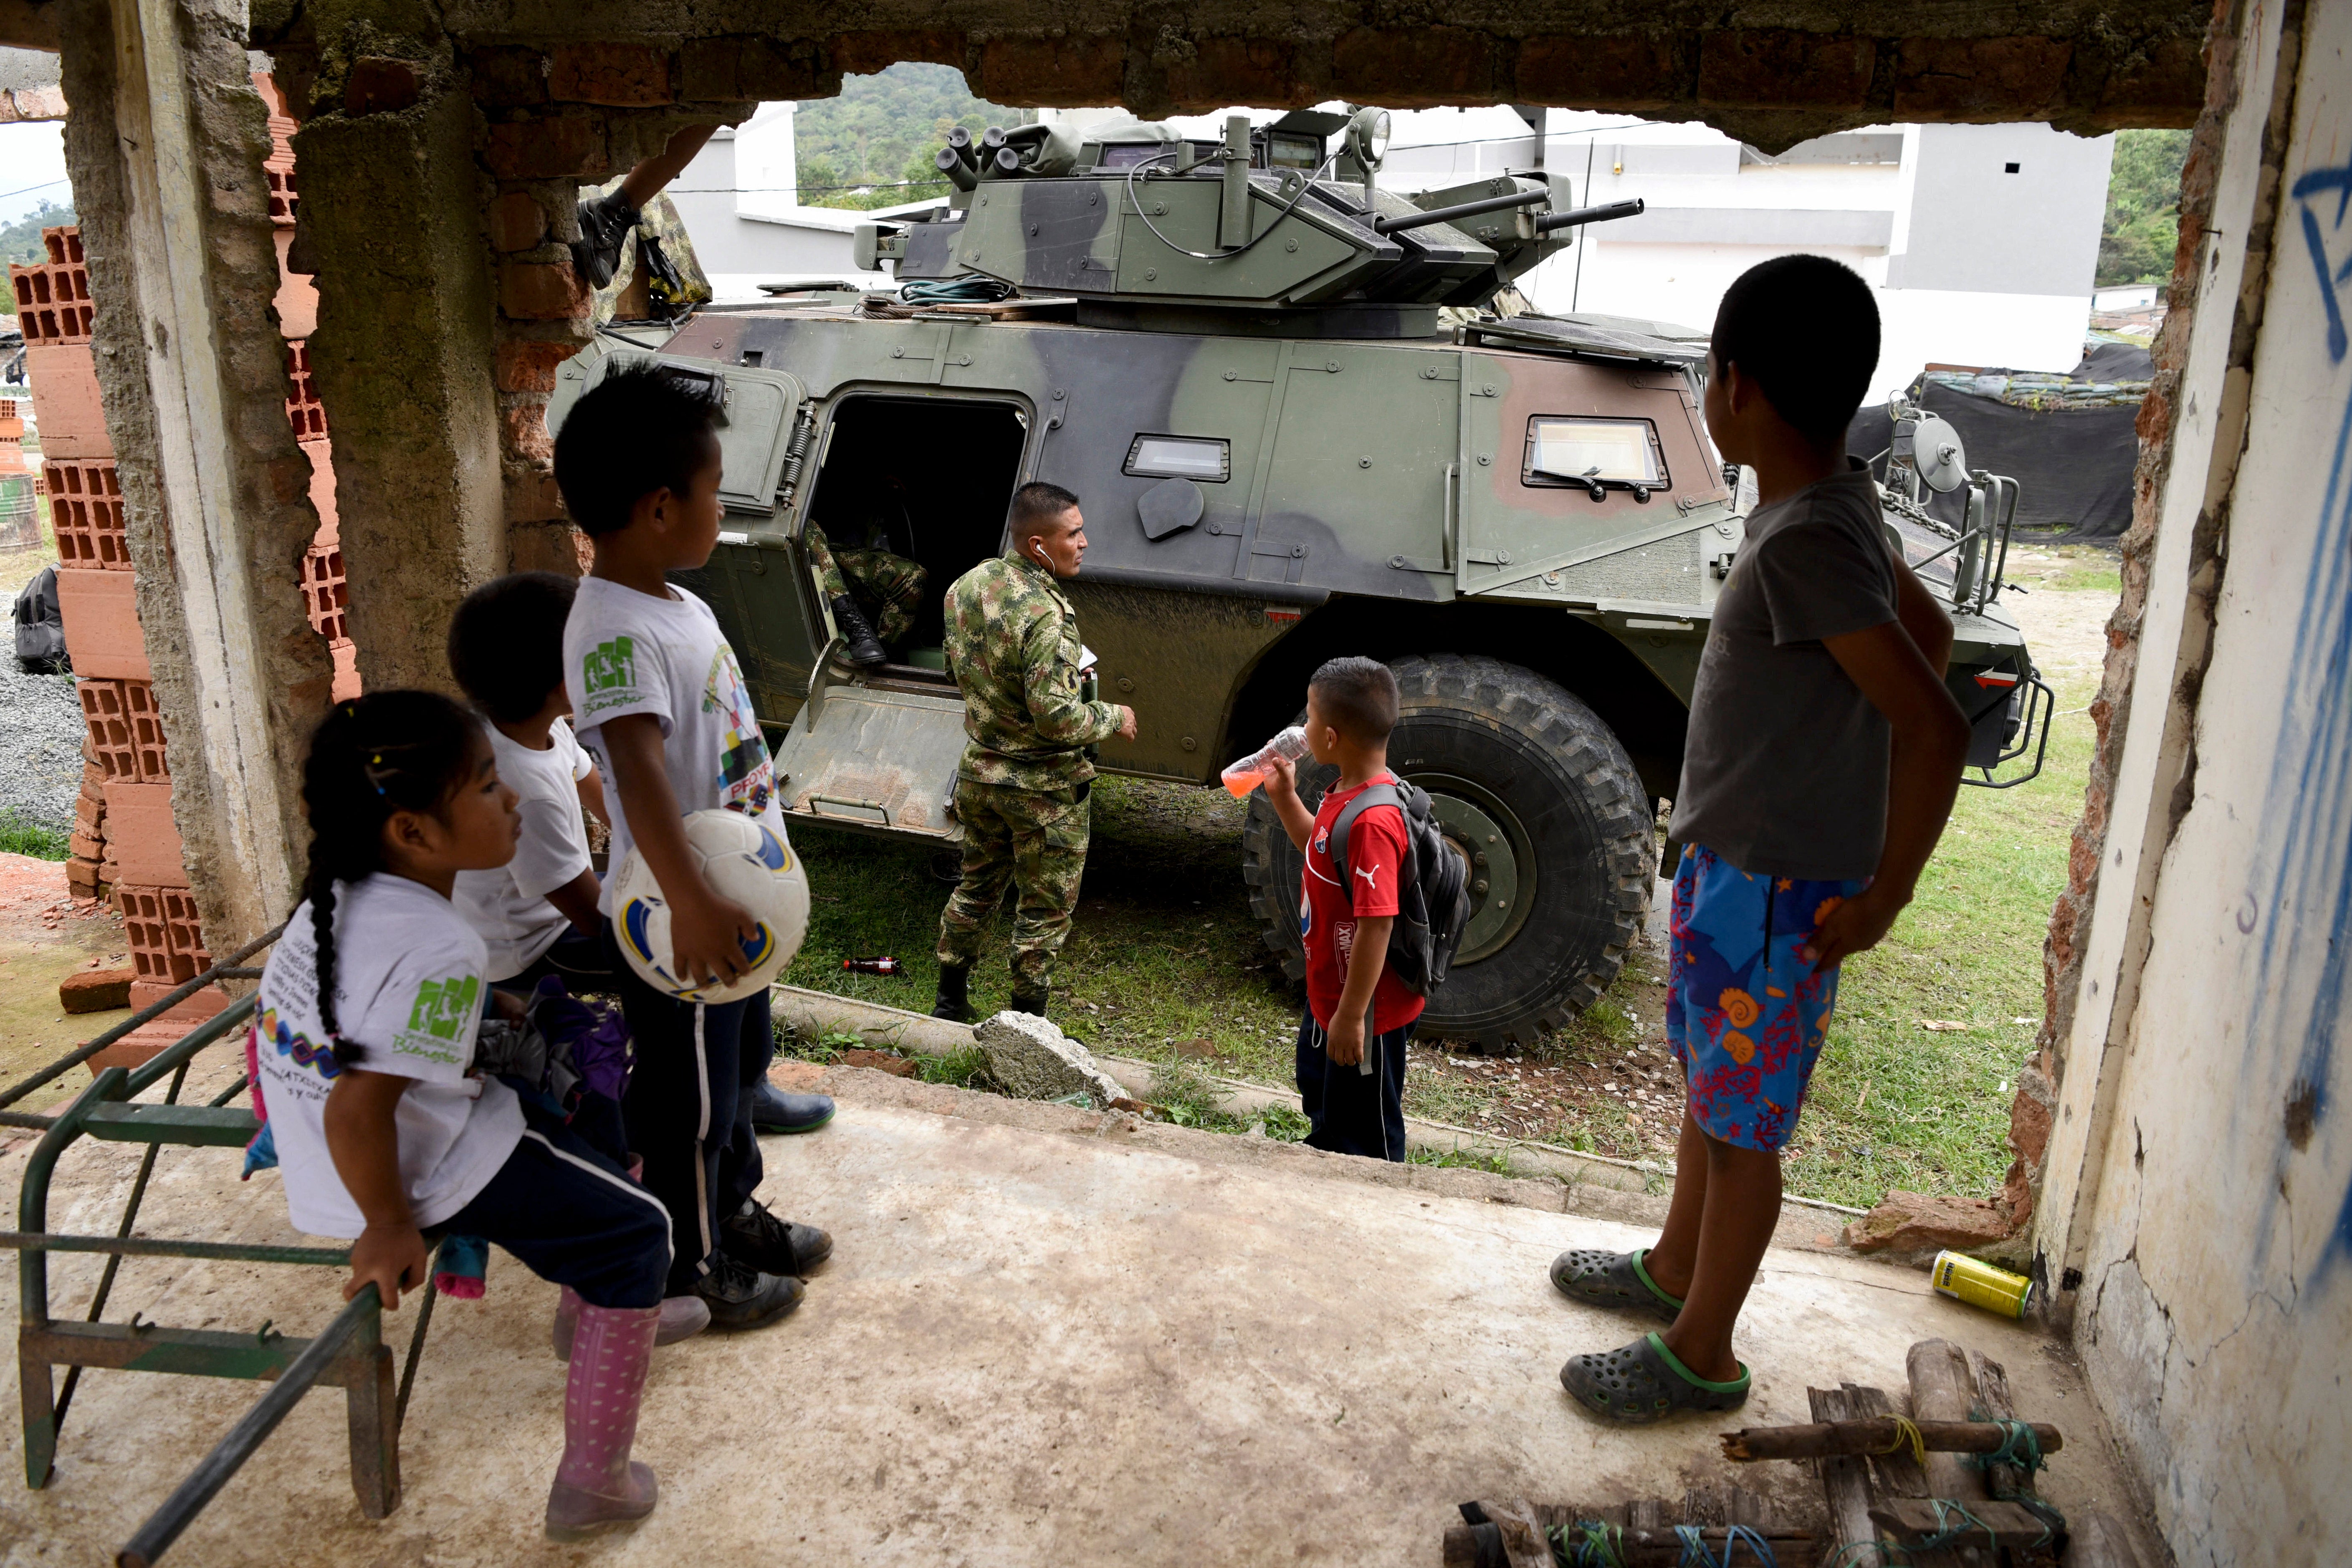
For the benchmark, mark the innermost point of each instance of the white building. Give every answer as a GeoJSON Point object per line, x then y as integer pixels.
{"type": "Point", "coordinates": [738, 201]}
{"type": "Point", "coordinates": [1981, 240]}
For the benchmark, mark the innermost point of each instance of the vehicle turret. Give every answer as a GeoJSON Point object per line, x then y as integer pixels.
{"type": "Point", "coordinates": [1267, 229]}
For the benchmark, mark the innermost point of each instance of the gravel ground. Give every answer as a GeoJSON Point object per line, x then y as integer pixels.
{"type": "Point", "coordinates": [40, 732]}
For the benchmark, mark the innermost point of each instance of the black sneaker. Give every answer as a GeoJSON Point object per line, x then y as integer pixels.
{"type": "Point", "coordinates": [759, 1239]}
{"type": "Point", "coordinates": [741, 1296]}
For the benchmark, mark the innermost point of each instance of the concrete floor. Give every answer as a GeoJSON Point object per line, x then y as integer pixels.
{"type": "Point", "coordinates": [1047, 1336]}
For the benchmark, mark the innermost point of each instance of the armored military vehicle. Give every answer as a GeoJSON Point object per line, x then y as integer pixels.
{"type": "Point", "coordinates": [1300, 427]}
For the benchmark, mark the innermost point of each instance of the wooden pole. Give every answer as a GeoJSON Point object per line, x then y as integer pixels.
{"type": "Point", "coordinates": [1942, 1391]}
{"type": "Point", "coordinates": [1824, 1439]}
{"type": "Point", "coordinates": [1846, 1481]}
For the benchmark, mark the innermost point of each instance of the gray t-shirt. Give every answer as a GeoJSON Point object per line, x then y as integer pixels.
{"type": "Point", "coordinates": [1784, 770]}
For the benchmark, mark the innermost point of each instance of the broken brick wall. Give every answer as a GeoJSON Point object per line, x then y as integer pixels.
{"type": "Point", "coordinates": [142, 551]}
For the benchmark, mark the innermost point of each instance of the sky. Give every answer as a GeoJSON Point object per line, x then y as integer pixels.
{"type": "Point", "coordinates": [32, 168]}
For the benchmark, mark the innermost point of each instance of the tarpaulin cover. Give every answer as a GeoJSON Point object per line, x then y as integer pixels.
{"type": "Point", "coordinates": [2073, 465]}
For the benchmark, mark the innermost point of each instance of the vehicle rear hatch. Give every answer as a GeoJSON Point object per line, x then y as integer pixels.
{"type": "Point", "coordinates": [877, 753]}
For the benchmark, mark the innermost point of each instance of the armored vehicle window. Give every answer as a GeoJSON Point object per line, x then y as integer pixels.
{"type": "Point", "coordinates": [1579, 451]}
{"type": "Point", "coordinates": [1288, 149]}
{"type": "Point", "coordinates": [1181, 458]}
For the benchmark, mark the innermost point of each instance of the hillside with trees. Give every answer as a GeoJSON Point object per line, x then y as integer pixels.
{"type": "Point", "coordinates": [872, 146]}
{"type": "Point", "coordinates": [2143, 223]}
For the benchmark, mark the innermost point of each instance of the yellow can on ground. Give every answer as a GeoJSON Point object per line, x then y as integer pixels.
{"type": "Point", "coordinates": [1979, 1284]}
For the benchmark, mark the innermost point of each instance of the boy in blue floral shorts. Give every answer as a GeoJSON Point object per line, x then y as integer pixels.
{"type": "Point", "coordinates": [1820, 765]}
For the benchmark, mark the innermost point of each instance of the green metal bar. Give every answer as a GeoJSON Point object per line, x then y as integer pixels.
{"type": "Point", "coordinates": [194, 1040]}
{"type": "Point", "coordinates": [358, 1321]}
{"type": "Point", "coordinates": [231, 1093]}
{"type": "Point", "coordinates": [186, 1352]}
{"type": "Point", "coordinates": [34, 1243]}
{"type": "Point", "coordinates": [114, 1261]}
{"type": "Point", "coordinates": [34, 1387]}
{"type": "Point", "coordinates": [196, 1126]}
{"type": "Point", "coordinates": [146, 1015]}
{"type": "Point", "coordinates": [417, 1339]}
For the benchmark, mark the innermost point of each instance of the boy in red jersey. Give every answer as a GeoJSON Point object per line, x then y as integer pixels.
{"type": "Point", "coordinates": [1351, 1040]}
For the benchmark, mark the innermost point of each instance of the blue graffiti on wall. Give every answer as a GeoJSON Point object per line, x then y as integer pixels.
{"type": "Point", "coordinates": [2306, 945]}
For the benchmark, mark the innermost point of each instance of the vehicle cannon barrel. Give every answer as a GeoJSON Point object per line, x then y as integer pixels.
{"type": "Point", "coordinates": [1470, 209]}
{"type": "Point", "coordinates": [1551, 222]}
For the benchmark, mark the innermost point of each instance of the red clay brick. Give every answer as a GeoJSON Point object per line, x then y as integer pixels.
{"type": "Point", "coordinates": [381, 84]}
{"type": "Point", "coordinates": [532, 497]}
{"type": "Point", "coordinates": [1234, 71]}
{"type": "Point", "coordinates": [867, 53]}
{"type": "Point", "coordinates": [304, 411]}
{"type": "Point", "coordinates": [141, 837]}
{"type": "Point", "coordinates": [517, 221]}
{"type": "Point", "coordinates": [1774, 69]}
{"type": "Point", "coordinates": [524, 427]}
{"type": "Point", "coordinates": [624, 75]}
{"type": "Point", "coordinates": [1628, 72]}
{"type": "Point", "coordinates": [508, 76]}
{"type": "Point", "coordinates": [749, 71]}
{"type": "Point", "coordinates": [2166, 87]}
{"type": "Point", "coordinates": [65, 400]}
{"type": "Point", "coordinates": [322, 491]}
{"type": "Point", "coordinates": [1064, 72]}
{"type": "Point", "coordinates": [542, 291]}
{"type": "Point", "coordinates": [85, 512]}
{"type": "Point", "coordinates": [139, 1047]}
{"type": "Point", "coordinates": [1412, 68]}
{"type": "Point", "coordinates": [95, 990]}
{"type": "Point", "coordinates": [1936, 79]}
{"type": "Point", "coordinates": [554, 146]}
{"type": "Point", "coordinates": [101, 617]}
{"type": "Point", "coordinates": [528, 366]}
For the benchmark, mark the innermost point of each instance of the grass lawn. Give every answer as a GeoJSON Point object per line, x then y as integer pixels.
{"type": "Point", "coordinates": [1166, 962]}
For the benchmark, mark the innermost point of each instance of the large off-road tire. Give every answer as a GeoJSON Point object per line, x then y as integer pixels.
{"type": "Point", "coordinates": [1527, 776]}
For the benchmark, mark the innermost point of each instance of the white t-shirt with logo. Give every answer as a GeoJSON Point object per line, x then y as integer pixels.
{"type": "Point", "coordinates": [508, 906]}
{"type": "Point", "coordinates": [627, 652]}
{"type": "Point", "coordinates": [409, 990]}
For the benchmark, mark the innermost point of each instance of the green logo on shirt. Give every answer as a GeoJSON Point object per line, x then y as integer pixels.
{"type": "Point", "coordinates": [442, 1006]}
{"type": "Point", "coordinates": [610, 665]}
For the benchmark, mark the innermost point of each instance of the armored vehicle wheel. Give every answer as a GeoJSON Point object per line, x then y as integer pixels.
{"type": "Point", "coordinates": [1538, 794]}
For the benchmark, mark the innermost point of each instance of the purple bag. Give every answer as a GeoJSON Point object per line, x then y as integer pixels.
{"type": "Point", "coordinates": [593, 1035]}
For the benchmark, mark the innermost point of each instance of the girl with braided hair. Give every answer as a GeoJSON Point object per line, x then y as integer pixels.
{"type": "Point", "coordinates": [364, 1040]}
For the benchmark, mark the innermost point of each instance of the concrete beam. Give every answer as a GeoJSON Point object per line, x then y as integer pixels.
{"type": "Point", "coordinates": [1816, 67]}
{"type": "Point", "coordinates": [165, 150]}
{"type": "Point", "coordinates": [393, 207]}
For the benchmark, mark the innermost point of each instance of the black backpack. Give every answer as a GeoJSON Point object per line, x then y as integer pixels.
{"type": "Point", "coordinates": [40, 626]}
{"type": "Point", "coordinates": [1433, 904]}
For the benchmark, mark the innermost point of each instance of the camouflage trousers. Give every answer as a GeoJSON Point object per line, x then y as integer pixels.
{"type": "Point", "coordinates": [892, 584]}
{"type": "Point", "coordinates": [1034, 840]}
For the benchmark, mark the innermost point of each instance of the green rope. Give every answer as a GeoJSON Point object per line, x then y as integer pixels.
{"type": "Point", "coordinates": [2019, 1450]}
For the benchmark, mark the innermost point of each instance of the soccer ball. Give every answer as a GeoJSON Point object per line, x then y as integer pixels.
{"type": "Point", "coordinates": [742, 860]}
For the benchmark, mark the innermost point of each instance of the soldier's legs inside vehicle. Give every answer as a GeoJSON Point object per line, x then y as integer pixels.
{"type": "Point", "coordinates": [987, 869]}
{"type": "Point", "coordinates": [830, 580]}
{"type": "Point", "coordinates": [876, 577]}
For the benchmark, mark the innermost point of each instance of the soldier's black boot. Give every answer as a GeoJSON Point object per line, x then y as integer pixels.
{"type": "Point", "coordinates": [953, 1003]}
{"type": "Point", "coordinates": [1030, 1002]}
{"type": "Point", "coordinates": [857, 637]}
{"type": "Point", "coordinates": [604, 223]}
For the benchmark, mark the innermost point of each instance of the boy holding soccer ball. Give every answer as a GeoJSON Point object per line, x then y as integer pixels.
{"type": "Point", "coordinates": [659, 703]}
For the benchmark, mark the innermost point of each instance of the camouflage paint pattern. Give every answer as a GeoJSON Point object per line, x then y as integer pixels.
{"type": "Point", "coordinates": [891, 586]}
{"type": "Point", "coordinates": [1013, 648]}
{"type": "Point", "coordinates": [657, 220]}
{"type": "Point", "coordinates": [1032, 840]}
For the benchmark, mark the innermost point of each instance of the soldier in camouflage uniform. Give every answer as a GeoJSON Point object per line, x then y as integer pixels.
{"type": "Point", "coordinates": [852, 579]}
{"type": "Point", "coordinates": [1022, 785]}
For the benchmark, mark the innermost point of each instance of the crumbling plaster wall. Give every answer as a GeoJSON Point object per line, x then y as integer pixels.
{"type": "Point", "coordinates": [2197, 1215]}
{"type": "Point", "coordinates": [223, 502]}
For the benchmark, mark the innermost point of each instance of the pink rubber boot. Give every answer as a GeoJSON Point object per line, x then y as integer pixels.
{"type": "Point", "coordinates": [682, 1318]}
{"type": "Point", "coordinates": [596, 1486]}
